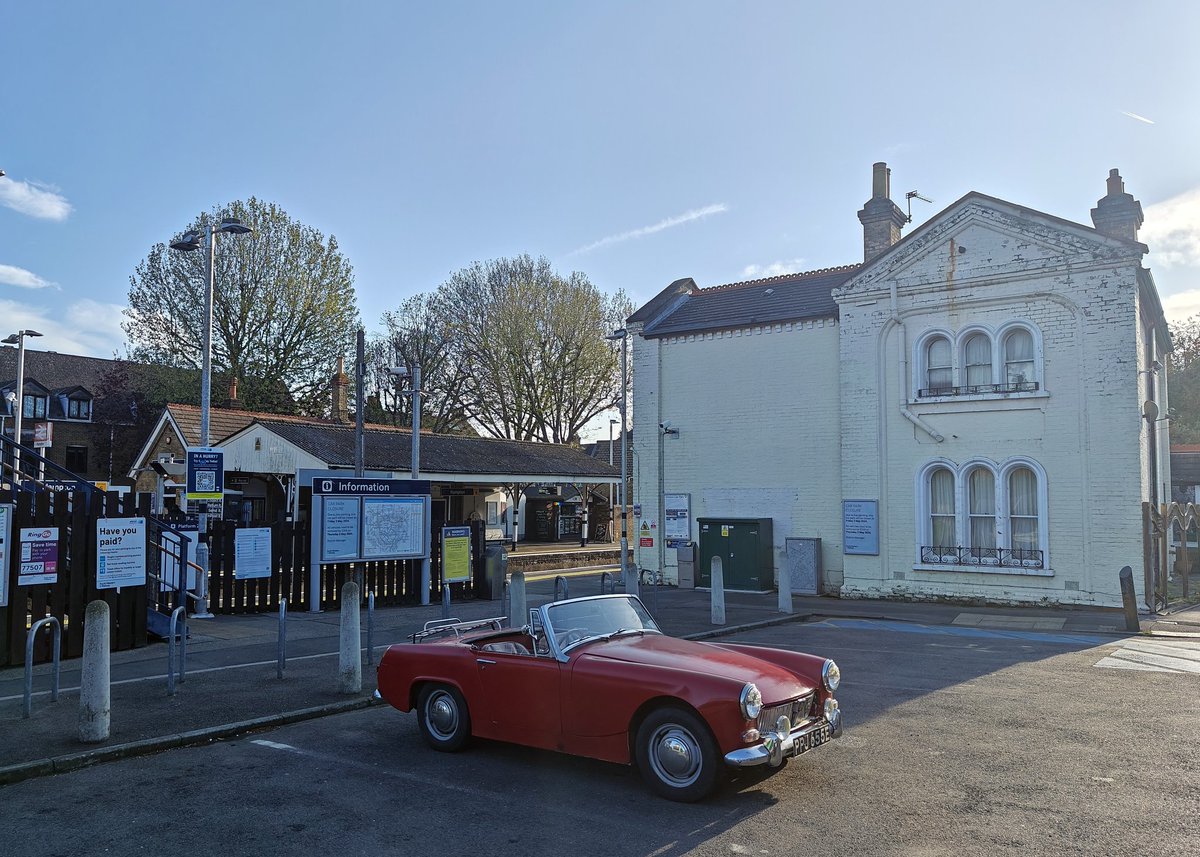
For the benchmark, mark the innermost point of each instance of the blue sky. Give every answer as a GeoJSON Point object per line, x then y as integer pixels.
{"type": "Point", "coordinates": [637, 142]}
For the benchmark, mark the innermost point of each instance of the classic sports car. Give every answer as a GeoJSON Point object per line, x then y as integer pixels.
{"type": "Point", "coordinates": [596, 677]}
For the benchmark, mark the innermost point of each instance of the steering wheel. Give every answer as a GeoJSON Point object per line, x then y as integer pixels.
{"type": "Point", "coordinates": [571, 636]}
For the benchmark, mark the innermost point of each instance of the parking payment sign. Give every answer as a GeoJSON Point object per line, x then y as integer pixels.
{"type": "Point", "coordinates": [39, 556]}
{"type": "Point", "coordinates": [205, 473]}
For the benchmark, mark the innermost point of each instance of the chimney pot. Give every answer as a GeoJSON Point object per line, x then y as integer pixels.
{"type": "Point", "coordinates": [881, 181]}
{"type": "Point", "coordinates": [881, 218]}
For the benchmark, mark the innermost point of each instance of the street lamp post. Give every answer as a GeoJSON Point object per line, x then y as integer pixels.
{"type": "Point", "coordinates": [188, 242]}
{"type": "Point", "coordinates": [623, 335]}
{"type": "Point", "coordinates": [612, 488]}
{"type": "Point", "coordinates": [18, 339]}
{"type": "Point", "coordinates": [415, 392]}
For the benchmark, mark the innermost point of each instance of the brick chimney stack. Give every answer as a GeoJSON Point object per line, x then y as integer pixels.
{"type": "Point", "coordinates": [341, 394]}
{"type": "Point", "coordinates": [1117, 214]}
{"type": "Point", "coordinates": [881, 218]}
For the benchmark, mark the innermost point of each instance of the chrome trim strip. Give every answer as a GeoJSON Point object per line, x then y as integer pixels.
{"type": "Point", "coordinates": [759, 754]}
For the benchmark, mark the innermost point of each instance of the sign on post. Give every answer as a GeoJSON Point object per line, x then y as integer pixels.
{"type": "Point", "coordinates": [120, 552]}
{"type": "Point", "coordinates": [456, 554]}
{"type": "Point", "coordinates": [39, 556]}
{"type": "Point", "coordinates": [205, 473]}
{"type": "Point", "coordinates": [43, 435]}
{"type": "Point", "coordinates": [6, 516]}
{"type": "Point", "coordinates": [252, 553]}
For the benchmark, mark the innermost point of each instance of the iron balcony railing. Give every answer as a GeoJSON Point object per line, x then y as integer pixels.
{"type": "Point", "coordinates": [979, 389]}
{"type": "Point", "coordinates": [998, 557]}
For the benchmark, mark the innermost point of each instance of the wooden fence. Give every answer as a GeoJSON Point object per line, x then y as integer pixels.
{"type": "Point", "coordinates": [75, 515]}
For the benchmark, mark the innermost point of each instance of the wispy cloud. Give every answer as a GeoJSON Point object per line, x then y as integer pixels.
{"type": "Point", "coordinates": [678, 220]}
{"type": "Point", "coordinates": [1137, 117]}
{"type": "Point", "coordinates": [784, 266]}
{"type": "Point", "coordinates": [1172, 230]}
{"type": "Point", "coordinates": [11, 275]}
{"type": "Point", "coordinates": [34, 199]}
{"type": "Point", "coordinates": [85, 327]}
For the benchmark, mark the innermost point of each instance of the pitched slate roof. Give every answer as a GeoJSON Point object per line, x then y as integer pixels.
{"type": "Point", "coordinates": [222, 422]}
{"type": "Point", "coordinates": [787, 297]}
{"type": "Point", "coordinates": [386, 448]}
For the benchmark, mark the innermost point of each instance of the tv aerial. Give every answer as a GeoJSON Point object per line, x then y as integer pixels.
{"type": "Point", "coordinates": [909, 197]}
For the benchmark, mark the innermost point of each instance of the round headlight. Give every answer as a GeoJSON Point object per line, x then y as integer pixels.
{"type": "Point", "coordinates": [831, 676]}
{"type": "Point", "coordinates": [751, 702]}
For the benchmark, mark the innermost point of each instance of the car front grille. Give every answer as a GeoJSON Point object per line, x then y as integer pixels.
{"type": "Point", "coordinates": [798, 710]}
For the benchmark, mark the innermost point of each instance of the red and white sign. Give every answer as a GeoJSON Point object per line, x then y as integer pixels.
{"type": "Point", "coordinates": [43, 435]}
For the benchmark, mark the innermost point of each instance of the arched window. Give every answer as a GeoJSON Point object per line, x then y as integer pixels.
{"type": "Point", "coordinates": [1019, 360]}
{"type": "Point", "coordinates": [939, 368]}
{"type": "Point", "coordinates": [981, 503]}
{"type": "Point", "coordinates": [1023, 510]}
{"type": "Point", "coordinates": [941, 508]}
{"type": "Point", "coordinates": [977, 361]}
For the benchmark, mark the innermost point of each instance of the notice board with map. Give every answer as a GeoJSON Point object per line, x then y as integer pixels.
{"type": "Point", "coordinates": [393, 527]}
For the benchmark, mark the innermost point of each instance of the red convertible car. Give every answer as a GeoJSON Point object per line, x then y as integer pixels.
{"type": "Point", "coordinates": [596, 677]}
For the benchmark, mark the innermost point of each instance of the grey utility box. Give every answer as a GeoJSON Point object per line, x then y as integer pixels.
{"type": "Point", "coordinates": [803, 562]}
{"type": "Point", "coordinates": [686, 557]}
{"type": "Point", "coordinates": [495, 570]}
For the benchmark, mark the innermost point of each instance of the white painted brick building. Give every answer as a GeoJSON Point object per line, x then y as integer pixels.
{"type": "Point", "coordinates": [982, 384]}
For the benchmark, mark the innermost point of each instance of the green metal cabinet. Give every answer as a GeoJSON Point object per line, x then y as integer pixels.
{"type": "Point", "coordinates": [746, 549]}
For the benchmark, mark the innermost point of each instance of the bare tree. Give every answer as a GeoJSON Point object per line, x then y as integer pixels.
{"type": "Point", "coordinates": [284, 307]}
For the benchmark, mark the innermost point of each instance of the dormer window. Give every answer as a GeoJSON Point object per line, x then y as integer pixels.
{"type": "Point", "coordinates": [34, 407]}
{"type": "Point", "coordinates": [79, 409]}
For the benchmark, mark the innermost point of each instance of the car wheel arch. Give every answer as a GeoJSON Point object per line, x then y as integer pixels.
{"type": "Point", "coordinates": [654, 704]}
{"type": "Point", "coordinates": [419, 684]}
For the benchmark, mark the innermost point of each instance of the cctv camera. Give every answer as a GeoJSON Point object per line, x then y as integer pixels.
{"type": "Point", "coordinates": [665, 426]}
{"type": "Point", "coordinates": [399, 371]}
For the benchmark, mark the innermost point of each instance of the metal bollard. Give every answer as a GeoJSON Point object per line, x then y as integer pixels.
{"type": "Point", "coordinates": [180, 627]}
{"type": "Point", "coordinates": [371, 628]}
{"type": "Point", "coordinates": [718, 592]}
{"type": "Point", "coordinates": [95, 688]}
{"type": "Point", "coordinates": [29, 638]}
{"type": "Point", "coordinates": [504, 599]}
{"type": "Point", "coordinates": [349, 655]}
{"type": "Point", "coordinates": [445, 600]}
{"type": "Point", "coordinates": [281, 653]}
{"type": "Point", "coordinates": [559, 579]}
{"type": "Point", "coordinates": [1129, 598]}
{"type": "Point", "coordinates": [785, 590]}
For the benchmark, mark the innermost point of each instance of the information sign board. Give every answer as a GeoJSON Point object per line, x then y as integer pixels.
{"type": "Point", "coordinates": [393, 527]}
{"type": "Point", "coordinates": [6, 516]}
{"type": "Point", "coordinates": [39, 556]}
{"type": "Point", "coordinates": [860, 527]}
{"type": "Point", "coordinates": [677, 521]}
{"type": "Point", "coordinates": [339, 529]}
{"type": "Point", "coordinates": [120, 552]}
{"type": "Point", "coordinates": [205, 473]}
{"type": "Point", "coordinates": [456, 554]}
{"type": "Point", "coordinates": [252, 553]}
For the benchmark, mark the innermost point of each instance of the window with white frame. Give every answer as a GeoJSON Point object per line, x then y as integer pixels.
{"type": "Point", "coordinates": [979, 361]}
{"type": "Point", "coordinates": [983, 515]}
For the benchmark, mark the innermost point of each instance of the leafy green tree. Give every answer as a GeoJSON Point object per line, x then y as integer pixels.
{"type": "Point", "coordinates": [528, 347]}
{"type": "Point", "coordinates": [284, 307]}
{"type": "Point", "coordinates": [1184, 381]}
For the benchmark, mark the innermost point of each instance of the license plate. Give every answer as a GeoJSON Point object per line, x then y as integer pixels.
{"type": "Point", "coordinates": [809, 740]}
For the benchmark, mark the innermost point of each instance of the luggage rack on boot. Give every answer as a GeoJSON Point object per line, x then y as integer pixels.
{"type": "Point", "coordinates": [457, 626]}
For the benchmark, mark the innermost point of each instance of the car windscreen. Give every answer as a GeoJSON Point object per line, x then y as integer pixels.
{"type": "Point", "coordinates": [597, 617]}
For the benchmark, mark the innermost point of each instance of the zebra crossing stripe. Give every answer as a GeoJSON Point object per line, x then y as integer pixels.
{"type": "Point", "coordinates": [1155, 656]}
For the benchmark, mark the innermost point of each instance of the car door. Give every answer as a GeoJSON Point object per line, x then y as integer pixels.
{"type": "Point", "coordinates": [522, 697]}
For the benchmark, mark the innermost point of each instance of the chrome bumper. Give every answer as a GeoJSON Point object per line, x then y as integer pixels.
{"type": "Point", "coordinates": [779, 745]}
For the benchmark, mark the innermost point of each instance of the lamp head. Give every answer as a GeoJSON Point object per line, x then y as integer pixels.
{"type": "Point", "coordinates": [233, 226]}
{"type": "Point", "coordinates": [190, 240]}
{"type": "Point", "coordinates": [619, 333]}
{"type": "Point", "coordinates": [398, 371]}
{"type": "Point", "coordinates": [11, 339]}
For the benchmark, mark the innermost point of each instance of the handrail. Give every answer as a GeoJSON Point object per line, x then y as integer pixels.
{"type": "Point", "coordinates": [27, 709]}
{"type": "Point", "coordinates": [16, 478]}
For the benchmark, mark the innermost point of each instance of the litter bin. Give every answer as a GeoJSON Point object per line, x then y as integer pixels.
{"type": "Point", "coordinates": [495, 570]}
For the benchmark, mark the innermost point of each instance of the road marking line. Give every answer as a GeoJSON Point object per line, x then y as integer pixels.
{"type": "Point", "coordinates": [274, 745]}
{"type": "Point", "coordinates": [1177, 656]}
{"type": "Point", "coordinates": [1118, 664]}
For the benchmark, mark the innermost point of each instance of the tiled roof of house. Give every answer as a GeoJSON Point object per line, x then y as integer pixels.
{"type": "Point", "coordinates": [787, 297]}
{"type": "Point", "coordinates": [222, 422]}
{"type": "Point", "coordinates": [386, 448]}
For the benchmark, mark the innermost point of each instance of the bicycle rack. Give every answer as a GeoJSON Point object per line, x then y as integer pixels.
{"type": "Point", "coordinates": [30, 637]}
{"type": "Point", "coordinates": [281, 654]}
{"type": "Point", "coordinates": [559, 579]}
{"type": "Point", "coordinates": [612, 583]}
{"type": "Point", "coordinates": [178, 613]}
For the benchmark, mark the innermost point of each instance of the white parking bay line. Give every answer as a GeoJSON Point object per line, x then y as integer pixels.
{"type": "Point", "coordinates": [273, 745]}
{"type": "Point", "coordinates": [1155, 656]}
